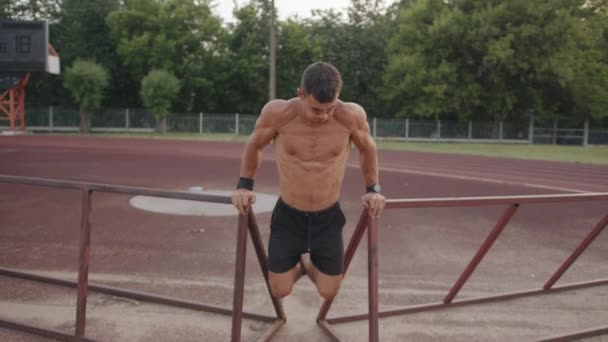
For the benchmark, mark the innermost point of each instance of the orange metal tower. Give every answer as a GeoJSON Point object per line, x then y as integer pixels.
{"type": "Point", "coordinates": [12, 104]}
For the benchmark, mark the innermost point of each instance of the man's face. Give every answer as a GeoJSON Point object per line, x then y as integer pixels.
{"type": "Point", "coordinates": [317, 112]}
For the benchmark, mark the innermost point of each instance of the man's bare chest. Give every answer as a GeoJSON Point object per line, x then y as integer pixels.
{"type": "Point", "coordinates": [321, 144]}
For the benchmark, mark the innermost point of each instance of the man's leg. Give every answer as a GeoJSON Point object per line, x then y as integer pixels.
{"type": "Point", "coordinates": [327, 285]}
{"type": "Point", "coordinates": [281, 284]}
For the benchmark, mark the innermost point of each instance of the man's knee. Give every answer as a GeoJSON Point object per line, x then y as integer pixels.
{"type": "Point", "coordinates": [280, 289]}
{"type": "Point", "coordinates": [329, 292]}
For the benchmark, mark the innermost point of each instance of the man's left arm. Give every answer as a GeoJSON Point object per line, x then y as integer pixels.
{"type": "Point", "coordinates": [368, 158]}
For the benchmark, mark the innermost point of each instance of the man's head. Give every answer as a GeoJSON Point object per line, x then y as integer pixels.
{"type": "Point", "coordinates": [319, 89]}
{"type": "Point", "coordinates": [322, 81]}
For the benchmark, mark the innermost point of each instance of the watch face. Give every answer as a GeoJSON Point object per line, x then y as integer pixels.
{"type": "Point", "coordinates": [377, 188]}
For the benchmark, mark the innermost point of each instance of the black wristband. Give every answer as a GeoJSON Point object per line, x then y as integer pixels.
{"type": "Point", "coordinates": [245, 183]}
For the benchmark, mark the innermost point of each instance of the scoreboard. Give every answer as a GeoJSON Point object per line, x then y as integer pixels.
{"type": "Point", "coordinates": [23, 46]}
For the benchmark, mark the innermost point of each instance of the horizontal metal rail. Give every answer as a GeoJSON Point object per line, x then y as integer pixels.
{"type": "Point", "coordinates": [576, 335]}
{"type": "Point", "coordinates": [117, 189]}
{"type": "Point", "coordinates": [145, 296]}
{"type": "Point", "coordinates": [512, 203]}
{"type": "Point", "coordinates": [499, 200]}
{"type": "Point", "coordinates": [51, 333]}
{"type": "Point", "coordinates": [471, 301]}
{"type": "Point", "coordinates": [83, 286]}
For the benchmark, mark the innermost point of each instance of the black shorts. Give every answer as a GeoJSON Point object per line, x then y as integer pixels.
{"type": "Point", "coordinates": [293, 232]}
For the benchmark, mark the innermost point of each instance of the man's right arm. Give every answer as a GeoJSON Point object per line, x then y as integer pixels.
{"type": "Point", "coordinates": [262, 135]}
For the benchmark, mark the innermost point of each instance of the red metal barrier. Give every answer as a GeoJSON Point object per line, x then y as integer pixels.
{"type": "Point", "coordinates": [513, 203]}
{"type": "Point", "coordinates": [83, 286]}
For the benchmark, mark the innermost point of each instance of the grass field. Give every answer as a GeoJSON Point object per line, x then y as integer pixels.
{"type": "Point", "coordinates": [577, 154]}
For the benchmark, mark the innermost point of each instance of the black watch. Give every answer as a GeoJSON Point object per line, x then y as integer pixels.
{"type": "Point", "coordinates": [373, 188]}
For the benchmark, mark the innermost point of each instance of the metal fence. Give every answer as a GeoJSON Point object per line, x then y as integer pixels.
{"type": "Point", "coordinates": [556, 132]}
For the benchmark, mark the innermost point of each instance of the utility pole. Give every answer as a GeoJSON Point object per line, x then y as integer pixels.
{"type": "Point", "coordinates": [273, 54]}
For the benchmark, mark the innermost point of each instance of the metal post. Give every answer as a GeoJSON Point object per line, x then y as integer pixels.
{"type": "Point", "coordinates": [372, 274]}
{"type": "Point", "coordinates": [438, 129]}
{"type": "Point", "coordinates": [273, 54]}
{"type": "Point", "coordinates": [236, 124]}
{"type": "Point", "coordinates": [531, 129]}
{"type": "Point", "coordinates": [554, 140]}
{"type": "Point", "coordinates": [51, 119]}
{"type": "Point", "coordinates": [577, 252]}
{"type": "Point", "coordinates": [200, 123]}
{"type": "Point", "coordinates": [586, 134]}
{"type": "Point", "coordinates": [481, 252]}
{"type": "Point", "coordinates": [258, 245]}
{"type": "Point", "coordinates": [500, 130]}
{"type": "Point", "coordinates": [407, 128]}
{"type": "Point", "coordinates": [83, 270]}
{"type": "Point", "coordinates": [127, 119]}
{"type": "Point", "coordinates": [239, 278]}
{"type": "Point", "coordinates": [348, 256]}
{"type": "Point", "coordinates": [470, 135]}
{"type": "Point", "coordinates": [12, 109]}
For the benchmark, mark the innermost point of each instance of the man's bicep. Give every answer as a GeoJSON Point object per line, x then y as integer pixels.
{"type": "Point", "coordinates": [265, 127]}
{"type": "Point", "coordinates": [362, 138]}
{"type": "Point", "coordinates": [261, 136]}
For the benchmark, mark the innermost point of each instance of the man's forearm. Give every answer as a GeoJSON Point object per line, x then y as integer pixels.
{"type": "Point", "coordinates": [252, 158]}
{"type": "Point", "coordinates": [369, 167]}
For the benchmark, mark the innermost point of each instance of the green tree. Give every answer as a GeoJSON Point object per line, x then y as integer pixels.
{"type": "Point", "coordinates": [248, 58]}
{"type": "Point", "coordinates": [356, 44]}
{"type": "Point", "coordinates": [31, 9]}
{"type": "Point", "coordinates": [83, 33]}
{"type": "Point", "coordinates": [79, 30]}
{"type": "Point", "coordinates": [158, 91]}
{"type": "Point", "coordinates": [86, 81]}
{"type": "Point", "coordinates": [295, 52]}
{"type": "Point", "coordinates": [588, 84]}
{"type": "Point", "coordinates": [180, 36]}
{"type": "Point", "coordinates": [5, 9]}
{"type": "Point", "coordinates": [494, 59]}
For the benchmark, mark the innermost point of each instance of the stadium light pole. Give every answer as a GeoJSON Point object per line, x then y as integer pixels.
{"type": "Point", "coordinates": [273, 54]}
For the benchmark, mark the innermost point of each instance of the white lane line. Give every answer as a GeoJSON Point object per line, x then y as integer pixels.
{"type": "Point", "coordinates": [478, 179]}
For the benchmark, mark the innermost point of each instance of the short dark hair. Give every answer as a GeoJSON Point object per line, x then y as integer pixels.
{"type": "Point", "coordinates": [322, 81]}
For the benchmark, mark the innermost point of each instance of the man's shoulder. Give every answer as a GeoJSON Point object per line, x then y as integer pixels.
{"type": "Point", "coordinates": [278, 112]}
{"type": "Point", "coordinates": [351, 115]}
{"type": "Point", "coordinates": [352, 108]}
{"type": "Point", "coordinates": [276, 106]}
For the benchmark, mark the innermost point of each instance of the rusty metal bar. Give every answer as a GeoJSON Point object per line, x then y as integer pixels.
{"type": "Point", "coordinates": [391, 203]}
{"type": "Point", "coordinates": [263, 260]}
{"type": "Point", "coordinates": [327, 329]}
{"type": "Point", "coordinates": [477, 300]}
{"type": "Point", "coordinates": [513, 201]}
{"type": "Point", "coordinates": [239, 279]}
{"type": "Point", "coordinates": [30, 329]}
{"type": "Point", "coordinates": [372, 271]}
{"type": "Point", "coordinates": [83, 286]}
{"type": "Point", "coordinates": [498, 200]}
{"type": "Point", "coordinates": [483, 250]}
{"type": "Point", "coordinates": [269, 334]}
{"type": "Point", "coordinates": [144, 296]}
{"type": "Point", "coordinates": [576, 335]}
{"type": "Point", "coordinates": [83, 269]}
{"type": "Point", "coordinates": [577, 252]}
{"type": "Point", "coordinates": [348, 256]}
{"type": "Point", "coordinates": [125, 190]}
{"type": "Point", "coordinates": [37, 277]}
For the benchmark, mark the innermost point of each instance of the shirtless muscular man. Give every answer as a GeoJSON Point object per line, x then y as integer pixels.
{"type": "Point", "coordinates": [312, 135]}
